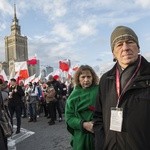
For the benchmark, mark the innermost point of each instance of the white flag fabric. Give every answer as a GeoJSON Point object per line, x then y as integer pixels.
{"type": "Point", "coordinates": [3, 74]}
{"type": "Point", "coordinates": [29, 79]}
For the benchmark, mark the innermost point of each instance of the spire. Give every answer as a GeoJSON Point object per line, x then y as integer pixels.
{"type": "Point", "coordinates": [15, 16]}
{"type": "Point", "coordinates": [15, 28]}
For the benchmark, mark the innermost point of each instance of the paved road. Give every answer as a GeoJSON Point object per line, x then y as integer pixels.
{"type": "Point", "coordinates": [41, 136]}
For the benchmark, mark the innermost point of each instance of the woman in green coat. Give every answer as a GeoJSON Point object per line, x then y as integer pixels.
{"type": "Point", "coordinates": [79, 108]}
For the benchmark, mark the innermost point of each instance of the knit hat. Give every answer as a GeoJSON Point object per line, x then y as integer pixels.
{"type": "Point", "coordinates": [122, 33]}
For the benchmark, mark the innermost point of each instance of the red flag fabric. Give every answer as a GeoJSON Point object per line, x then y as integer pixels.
{"type": "Point", "coordinates": [22, 70]}
{"type": "Point", "coordinates": [3, 75]}
{"type": "Point", "coordinates": [32, 61]}
{"type": "Point", "coordinates": [23, 74]}
{"type": "Point", "coordinates": [64, 65]}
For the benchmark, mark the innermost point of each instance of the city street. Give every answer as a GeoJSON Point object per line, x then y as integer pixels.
{"type": "Point", "coordinates": [40, 136]}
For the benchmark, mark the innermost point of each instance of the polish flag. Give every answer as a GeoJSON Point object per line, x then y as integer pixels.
{"type": "Point", "coordinates": [64, 65]}
{"type": "Point", "coordinates": [32, 61]}
{"type": "Point", "coordinates": [22, 69]}
{"type": "Point", "coordinates": [37, 79]}
{"type": "Point", "coordinates": [29, 79]}
{"type": "Point", "coordinates": [75, 67]}
{"type": "Point", "coordinates": [3, 75]}
{"type": "Point", "coordinates": [55, 74]}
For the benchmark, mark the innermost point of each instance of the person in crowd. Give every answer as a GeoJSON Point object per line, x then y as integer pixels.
{"type": "Point", "coordinates": [50, 101]}
{"type": "Point", "coordinates": [63, 96]}
{"type": "Point", "coordinates": [15, 102]}
{"type": "Point", "coordinates": [43, 100]}
{"type": "Point", "coordinates": [40, 98]}
{"type": "Point", "coordinates": [3, 139]}
{"type": "Point", "coordinates": [53, 82]}
{"type": "Point", "coordinates": [79, 108]}
{"type": "Point", "coordinates": [24, 105]}
{"type": "Point", "coordinates": [32, 98]}
{"type": "Point", "coordinates": [121, 117]}
{"type": "Point", "coordinates": [5, 91]}
{"type": "Point", "coordinates": [70, 87]}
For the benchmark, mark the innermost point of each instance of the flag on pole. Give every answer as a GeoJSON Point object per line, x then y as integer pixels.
{"type": "Point", "coordinates": [64, 65]}
{"type": "Point", "coordinates": [3, 75]}
{"type": "Point", "coordinates": [56, 74]}
{"type": "Point", "coordinates": [22, 68]}
{"type": "Point", "coordinates": [32, 61]}
{"type": "Point", "coordinates": [37, 79]}
{"type": "Point", "coordinates": [29, 79]}
{"type": "Point", "coordinates": [75, 67]}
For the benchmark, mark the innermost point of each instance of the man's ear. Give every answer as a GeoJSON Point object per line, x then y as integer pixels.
{"type": "Point", "coordinates": [114, 58]}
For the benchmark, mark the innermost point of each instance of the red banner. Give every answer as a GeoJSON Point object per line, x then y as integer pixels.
{"type": "Point", "coordinates": [32, 61]}
{"type": "Point", "coordinates": [64, 65]}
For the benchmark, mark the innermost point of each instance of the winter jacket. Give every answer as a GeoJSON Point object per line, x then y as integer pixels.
{"type": "Point", "coordinates": [77, 111]}
{"type": "Point", "coordinates": [135, 134]}
{"type": "Point", "coordinates": [15, 98]}
{"type": "Point", "coordinates": [3, 139]}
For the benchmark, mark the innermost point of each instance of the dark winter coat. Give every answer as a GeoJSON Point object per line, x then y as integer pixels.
{"type": "Point", "coordinates": [3, 140]}
{"type": "Point", "coordinates": [135, 134]}
{"type": "Point", "coordinates": [16, 96]}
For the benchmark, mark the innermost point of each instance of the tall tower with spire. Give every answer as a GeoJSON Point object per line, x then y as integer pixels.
{"type": "Point", "coordinates": [16, 46]}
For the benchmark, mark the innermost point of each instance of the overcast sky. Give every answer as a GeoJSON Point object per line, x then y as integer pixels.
{"type": "Point", "coordinates": [78, 30]}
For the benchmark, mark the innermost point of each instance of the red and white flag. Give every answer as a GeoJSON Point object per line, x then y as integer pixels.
{"type": "Point", "coordinates": [37, 79]}
{"type": "Point", "coordinates": [22, 69]}
{"type": "Point", "coordinates": [29, 79]}
{"type": "Point", "coordinates": [32, 61]}
{"type": "Point", "coordinates": [64, 65]}
{"type": "Point", "coordinates": [75, 67]}
{"type": "Point", "coordinates": [55, 74]}
{"type": "Point", "coordinates": [3, 75]}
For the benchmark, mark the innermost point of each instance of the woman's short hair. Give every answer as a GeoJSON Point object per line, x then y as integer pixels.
{"type": "Point", "coordinates": [80, 71]}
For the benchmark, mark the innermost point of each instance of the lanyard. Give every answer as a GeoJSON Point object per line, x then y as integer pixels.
{"type": "Point", "coordinates": [120, 94]}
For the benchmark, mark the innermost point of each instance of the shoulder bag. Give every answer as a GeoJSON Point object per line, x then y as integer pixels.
{"type": "Point", "coordinates": [5, 122]}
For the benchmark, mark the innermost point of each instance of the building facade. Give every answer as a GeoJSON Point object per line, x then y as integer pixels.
{"type": "Point", "coordinates": [16, 46]}
{"type": "Point", "coordinates": [16, 49]}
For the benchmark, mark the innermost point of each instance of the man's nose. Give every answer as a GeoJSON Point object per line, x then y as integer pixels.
{"type": "Point", "coordinates": [125, 46]}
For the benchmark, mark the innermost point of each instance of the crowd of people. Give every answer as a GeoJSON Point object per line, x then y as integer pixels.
{"type": "Point", "coordinates": [33, 100]}
{"type": "Point", "coordinates": [110, 113]}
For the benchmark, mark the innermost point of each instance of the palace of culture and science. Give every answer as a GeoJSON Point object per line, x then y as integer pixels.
{"type": "Point", "coordinates": [16, 49]}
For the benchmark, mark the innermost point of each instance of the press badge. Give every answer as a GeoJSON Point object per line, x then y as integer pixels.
{"type": "Point", "coordinates": [116, 119]}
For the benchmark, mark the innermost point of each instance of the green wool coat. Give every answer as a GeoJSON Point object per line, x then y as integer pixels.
{"type": "Point", "coordinates": [79, 108]}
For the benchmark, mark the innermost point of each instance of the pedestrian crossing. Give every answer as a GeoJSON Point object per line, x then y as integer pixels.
{"type": "Point", "coordinates": [16, 138]}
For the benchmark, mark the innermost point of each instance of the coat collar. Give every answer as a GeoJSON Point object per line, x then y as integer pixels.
{"type": "Point", "coordinates": [143, 71]}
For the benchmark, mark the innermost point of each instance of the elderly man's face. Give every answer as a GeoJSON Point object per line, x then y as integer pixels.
{"type": "Point", "coordinates": [126, 52]}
